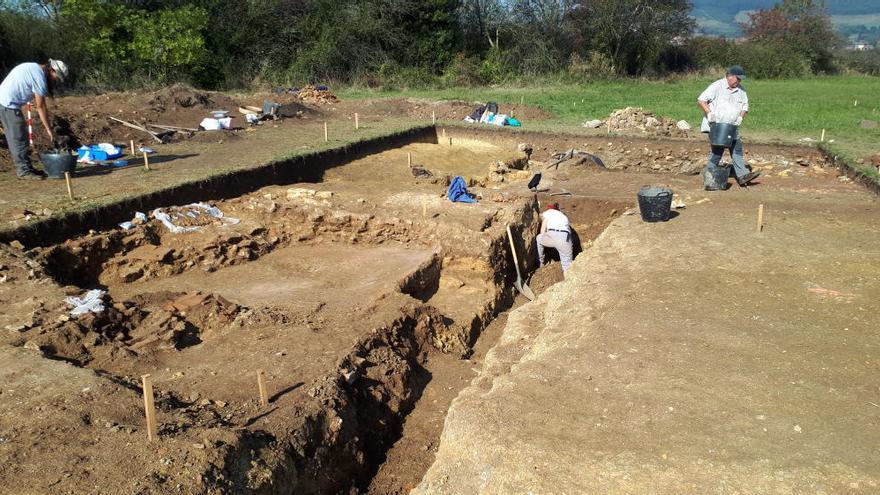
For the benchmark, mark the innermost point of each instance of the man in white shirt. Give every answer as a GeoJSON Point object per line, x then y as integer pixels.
{"type": "Point", "coordinates": [26, 82]}
{"type": "Point", "coordinates": [555, 233]}
{"type": "Point", "coordinates": [726, 101]}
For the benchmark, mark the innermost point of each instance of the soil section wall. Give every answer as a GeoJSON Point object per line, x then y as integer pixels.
{"type": "Point", "coordinates": [308, 168]}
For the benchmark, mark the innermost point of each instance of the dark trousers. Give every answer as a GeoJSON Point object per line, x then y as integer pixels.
{"type": "Point", "coordinates": [15, 128]}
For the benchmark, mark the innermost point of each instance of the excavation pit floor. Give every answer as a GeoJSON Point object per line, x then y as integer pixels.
{"type": "Point", "coordinates": [338, 290]}
{"type": "Point", "coordinates": [299, 278]}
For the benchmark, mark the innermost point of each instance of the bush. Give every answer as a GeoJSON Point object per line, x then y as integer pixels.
{"type": "Point", "coordinates": [760, 59]}
{"type": "Point", "coordinates": [711, 52]}
{"type": "Point", "coordinates": [463, 70]}
{"type": "Point", "coordinates": [596, 66]}
{"type": "Point", "coordinates": [493, 69]}
{"type": "Point", "coordinates": [391, 75]}
{"type": "Point", "coordinates": [867, 62]}
{"type": "Point", "coordinates": [772, 61]}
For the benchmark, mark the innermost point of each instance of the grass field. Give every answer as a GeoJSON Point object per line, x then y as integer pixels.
{"type": "Point", "coordinates": [783, 111]}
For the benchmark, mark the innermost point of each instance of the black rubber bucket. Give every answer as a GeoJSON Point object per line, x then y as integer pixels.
{"type": "Point", "coordinates": [721, 134]}
{"type": "Point", "coordinates": [655, 203]}
{"type": "Point", "coordinates": [715, 177]}
{"type": "Point", "coordinates": [56, 164]}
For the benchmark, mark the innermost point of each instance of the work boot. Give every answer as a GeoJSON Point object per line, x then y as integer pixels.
{"type": "Point", "coordinates": [744, 181]}
{"type": "Point", "coordinates": [31, 176]}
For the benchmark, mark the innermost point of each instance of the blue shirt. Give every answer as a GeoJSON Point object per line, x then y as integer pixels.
{"type": "Point", "coordinates": [21, 84]}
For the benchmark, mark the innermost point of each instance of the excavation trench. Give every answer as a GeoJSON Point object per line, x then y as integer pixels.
{"type": "Point", "coordinates": [340, 289]}
{"type": "Point", "coordinates": [363, 295]}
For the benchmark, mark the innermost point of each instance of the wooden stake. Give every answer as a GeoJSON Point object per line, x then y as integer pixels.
{"type": "Point", "coordinates": [433, 117]}
{"type": "Point", "coordinates": [149, 407]}
{"type": "Point", "coordinates": [856, 103]}
{"type": "Point", "coordinates": [131, 150]}
{"type": "Point", "coordinates": [409, 159]}
{"type": "Point", "coordinates": [822, 139]}
{"type": "Point", "coordinates": [444, 133]}
{"type": "Point", "coordinates": [357, 124]}
{"type": "Point", "coordinates": [326, 134]}
{"type": "Point", "coordinates": [608, 124]}
{"type": "Point", "coordinates": [261, 383]}
{"type": "Point", "coordinates": [521, 99]}
{"type": "Point", "coordinates": [760, 226]}
{"type": "Point", "coordinates": [69, 187]}
{"type": "Point", "coordinates": [146, 161]}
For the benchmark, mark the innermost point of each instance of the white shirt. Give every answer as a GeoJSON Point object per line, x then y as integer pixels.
{"type": "Point", "coordinates": [725, 102]}
{"type": "Point", "coordinates": [555, 220]}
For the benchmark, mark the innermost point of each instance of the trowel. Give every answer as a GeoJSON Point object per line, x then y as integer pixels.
{"type": "Point", "coordinates": [520, 285]}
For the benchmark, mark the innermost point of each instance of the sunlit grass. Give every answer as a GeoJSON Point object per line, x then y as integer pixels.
{"type": "Point", "coordinates": [781, 110]}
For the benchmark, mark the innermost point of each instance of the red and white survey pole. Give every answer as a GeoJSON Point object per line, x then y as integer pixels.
{"type": "Point", "coordinates": [30, 123]}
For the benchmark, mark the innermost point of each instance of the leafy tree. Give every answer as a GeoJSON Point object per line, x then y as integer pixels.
{"type": "Point", "coordinates": [168, 41]}
{"type": "Point", "coordinates": [801, 26]}
{"type": "Point", "coordinates": [539, 42]}
{"type": "Point", "coordinates": [480, 23]}
{"type": "Point", "coordinates": [432, 25]}
{"type": "Point", "coordinates": [631, 33]}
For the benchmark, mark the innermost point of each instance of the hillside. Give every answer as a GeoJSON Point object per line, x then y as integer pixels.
{"type": "Point", "coordinates": [721, 19]}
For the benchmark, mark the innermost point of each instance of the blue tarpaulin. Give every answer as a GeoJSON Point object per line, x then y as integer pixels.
{"type": "Point", "coordinates": [457, 191]}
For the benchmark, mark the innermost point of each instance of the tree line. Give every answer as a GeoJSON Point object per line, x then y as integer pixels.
{"type": "Point", "coordinates": [221, 44]}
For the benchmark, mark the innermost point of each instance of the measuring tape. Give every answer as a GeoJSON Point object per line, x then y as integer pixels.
{"type": "Point", "coordinates": [30, 123]}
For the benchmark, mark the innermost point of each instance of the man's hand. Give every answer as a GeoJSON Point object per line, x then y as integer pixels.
{"type": "Point", "coordinates": [710, 116]}
{"type": "Point", "coordinates": [738, 122]}
{"type": "Point", "coordinates": [43, 112]}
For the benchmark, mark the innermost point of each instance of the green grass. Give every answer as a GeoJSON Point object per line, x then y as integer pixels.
{"type": "Point", "coordinates": [781, 110]}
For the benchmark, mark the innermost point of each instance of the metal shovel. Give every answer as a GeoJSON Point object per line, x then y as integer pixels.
{"type": "Point", "coordinates": [521, 286]}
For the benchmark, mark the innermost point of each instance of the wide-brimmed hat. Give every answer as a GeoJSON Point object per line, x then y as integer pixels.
{"type": "Point", "coordinates": [60, 69]}
{"type": "Point", "coordinates": [737, 71]}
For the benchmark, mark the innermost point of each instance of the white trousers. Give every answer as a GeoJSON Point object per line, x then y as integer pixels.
{"type": "Point", "coordinates": [561, 241]}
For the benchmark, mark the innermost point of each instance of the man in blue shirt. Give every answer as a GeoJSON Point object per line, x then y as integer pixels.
{"type": "Point", "coordinates": [26, 82]}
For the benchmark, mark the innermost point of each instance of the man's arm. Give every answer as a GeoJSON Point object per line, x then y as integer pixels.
{"type": "Point", "coordinates": [543, 224]}
{"type": "Point", "coordinates": [43, 112]}
{"type": "Point", "coordinates": [745, 109]}
{"type": "Point", "coordinates": [704, 105]}
{"type": "Point", "coordinates": [705, 98]}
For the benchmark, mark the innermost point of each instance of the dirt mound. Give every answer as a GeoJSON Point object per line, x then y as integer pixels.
{"type": "Point", "coordinates": [85, 119]}
{"type": "Point", "coordinates": [182, 96]}
{"type": "Point", "coordinates": [545, 277]}
{"type": "Point", "coordinates": [183, 320]}
{"type": "Point", "coordinates": [164, 320]}
{"type": "Point", "coordinates": [311, 94]}
{"type": "Point", "coordinates": [639, 119]}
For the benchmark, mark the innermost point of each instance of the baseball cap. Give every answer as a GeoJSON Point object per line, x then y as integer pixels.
{"type": "Point", "coordinates": [737, 71]}
{"type": "Point", "coordinates": [60, 69]}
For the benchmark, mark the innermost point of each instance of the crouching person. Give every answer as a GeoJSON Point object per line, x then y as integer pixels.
{"type": "Point", "coordinates": [556, 234]}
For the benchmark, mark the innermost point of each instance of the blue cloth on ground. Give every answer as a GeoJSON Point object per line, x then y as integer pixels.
{"type": "Point", "coordinates": [457, 191]}
{"type": "Point", "coordinates": [513, 122]}
{"type": "Point", "coordinates": [20, 85]}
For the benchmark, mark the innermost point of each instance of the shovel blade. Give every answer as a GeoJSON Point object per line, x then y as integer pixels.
{"type": "Point", "coordinates": [525, 290]}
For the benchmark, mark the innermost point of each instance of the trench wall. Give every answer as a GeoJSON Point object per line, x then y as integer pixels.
{"type": "Point", "coordinates": [303, 168]}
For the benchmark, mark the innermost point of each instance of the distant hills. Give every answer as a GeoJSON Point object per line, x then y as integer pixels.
{"type": "Point", "coordinates": [721, 18]}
